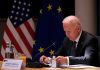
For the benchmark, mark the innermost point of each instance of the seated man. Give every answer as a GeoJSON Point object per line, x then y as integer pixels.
{"type": "Point", "coordinates": [79, 47]}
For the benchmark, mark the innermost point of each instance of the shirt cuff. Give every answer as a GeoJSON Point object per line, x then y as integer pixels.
{"type": "Point", "coordinates": [67, 60]}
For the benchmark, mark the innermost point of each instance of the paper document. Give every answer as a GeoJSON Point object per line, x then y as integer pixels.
{"type": "Point", "coordinates": [76, 66]}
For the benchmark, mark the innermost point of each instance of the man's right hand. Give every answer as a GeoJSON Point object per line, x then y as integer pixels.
{"type": "Point", "coordinates": [44, 59]}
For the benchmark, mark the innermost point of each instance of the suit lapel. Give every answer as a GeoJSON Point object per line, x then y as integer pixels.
{"type": "Point", "coordinates": [80, 45]}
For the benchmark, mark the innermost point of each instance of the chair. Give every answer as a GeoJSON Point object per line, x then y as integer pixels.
{"type": "Point", "coordinates": [98, 38]}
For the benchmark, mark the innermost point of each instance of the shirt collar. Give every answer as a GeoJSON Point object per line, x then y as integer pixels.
{"type": "Point", "coordinates": [77, 39]}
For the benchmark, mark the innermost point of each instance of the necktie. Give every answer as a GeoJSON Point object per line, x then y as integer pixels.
{"type": "Point", "coordinates": [73, 49]}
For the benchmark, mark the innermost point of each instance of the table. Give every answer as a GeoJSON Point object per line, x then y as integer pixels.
{"type": "Point", "coordinates": [93, 68]}
{"type": "Point", "coordinates": [45, 68]}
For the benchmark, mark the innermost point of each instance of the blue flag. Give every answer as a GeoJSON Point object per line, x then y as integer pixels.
{"type": "Point", "coordinates": [49, 30]}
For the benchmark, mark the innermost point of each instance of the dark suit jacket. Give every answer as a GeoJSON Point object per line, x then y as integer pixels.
{"type": "Point", "coordinates": [86, 51]}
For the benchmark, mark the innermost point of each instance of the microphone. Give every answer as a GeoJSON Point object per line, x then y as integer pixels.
{"type": "Point", "coordinates": [35, 64]}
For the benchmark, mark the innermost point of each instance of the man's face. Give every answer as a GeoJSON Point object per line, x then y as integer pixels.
{"type": "Point", "coordinates": [71, 31]}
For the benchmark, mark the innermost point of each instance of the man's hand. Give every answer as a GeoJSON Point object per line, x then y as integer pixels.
{"type": "Point", "coordinates": [44, 59]}
{"type": "Point", "coordinates": [61, 60]}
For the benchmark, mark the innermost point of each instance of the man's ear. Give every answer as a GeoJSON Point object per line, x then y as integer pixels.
{"type": "Point", "coordinates": [78, 28]}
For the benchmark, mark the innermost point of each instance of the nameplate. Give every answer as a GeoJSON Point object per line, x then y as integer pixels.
{"type": "Point", "coordinates": [12, 64]}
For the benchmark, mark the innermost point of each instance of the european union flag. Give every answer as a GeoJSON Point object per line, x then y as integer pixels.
{"type": "Point", "coordinates": [49, 30]}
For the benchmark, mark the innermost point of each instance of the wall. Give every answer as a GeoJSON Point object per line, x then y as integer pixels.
{"type": "Point", "coordinates": [86, 11]}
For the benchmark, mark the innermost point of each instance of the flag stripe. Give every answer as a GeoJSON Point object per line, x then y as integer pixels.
{"type": "Point", "coordinates": [5, 39]}
{"type": "Point", "coordinates": [23, 38]}
{"type": "Point", "coordinates": [2, 53]}
{"type": "Point", "coordinates": [31, 23]}
{"type": "Point", "coordinates": [27, 34]}
{"type": "Point", "coordinates": [2, 49]}
{"type": "Point", "coordinates": [29, 29]}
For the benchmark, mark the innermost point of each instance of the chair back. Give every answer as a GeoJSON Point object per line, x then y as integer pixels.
{"type": "Point", "coordinates": [98, 38]}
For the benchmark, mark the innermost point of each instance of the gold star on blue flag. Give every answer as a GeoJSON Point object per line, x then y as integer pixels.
{"type": "Point", "coordinates": [51, 52]}
{"type": "Point", "coordinates": [49, 7]}
{"type": "Point", "coordinates": [41, 49]}
{"type": "Point", "coordinates": [59, 9]}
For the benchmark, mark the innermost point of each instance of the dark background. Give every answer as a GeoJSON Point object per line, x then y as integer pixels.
{"type": "Point", "coordinates": [5, 6]}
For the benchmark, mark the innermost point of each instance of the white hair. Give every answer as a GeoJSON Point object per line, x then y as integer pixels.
{"type": "Point", "coordinates": [71, 19]}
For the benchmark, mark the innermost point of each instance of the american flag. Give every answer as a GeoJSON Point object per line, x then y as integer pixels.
{"type": "Point", "coordinates": [19, 28]}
